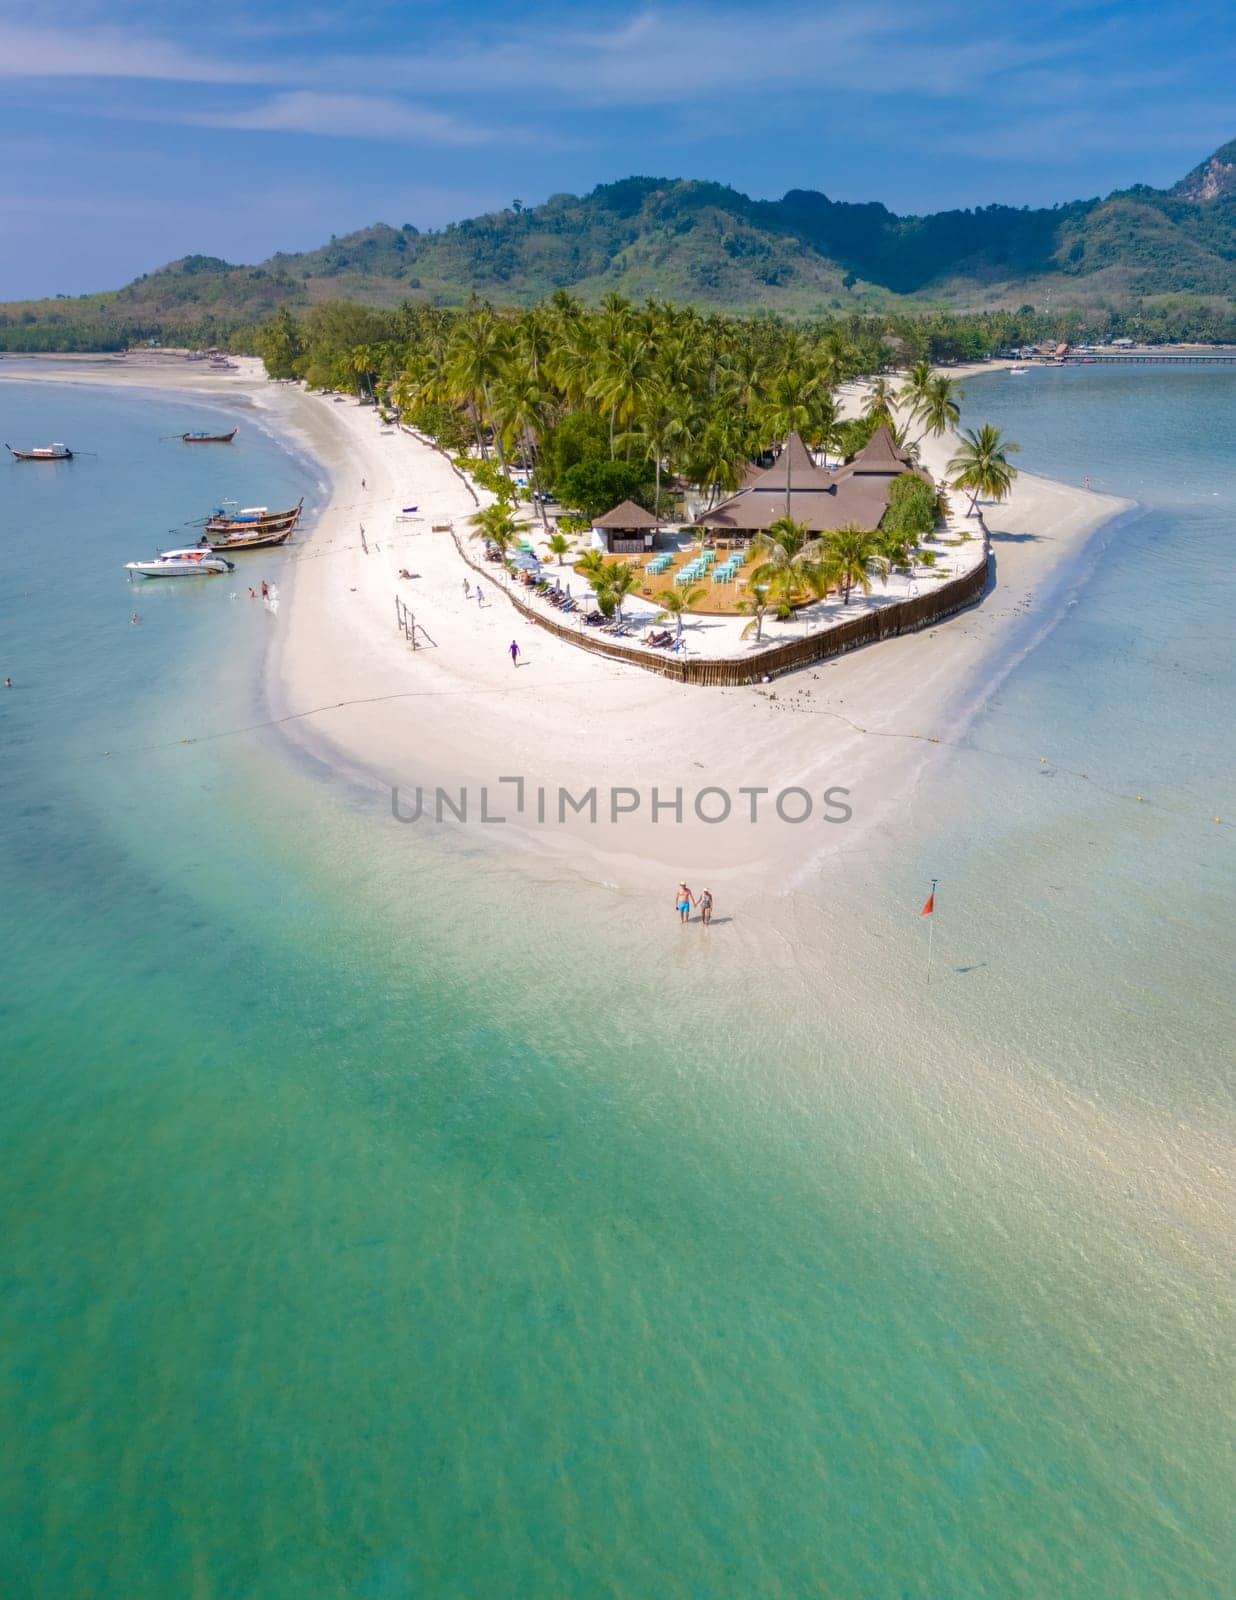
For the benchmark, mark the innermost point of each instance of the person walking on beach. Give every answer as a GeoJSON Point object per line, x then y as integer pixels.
{"type": "Point", "coordinates": [706, 907]}
{"type": "Point", "coordinates": [479, 601]}
{"type": "Point", "coordinates": [514, 654]}
{"type": "Point", "coordinates": [467, 590]}
{"type": "Point", "coordinates": [683, 903]}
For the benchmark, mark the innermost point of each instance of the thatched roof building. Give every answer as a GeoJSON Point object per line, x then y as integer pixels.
{"type": "Point", "coordinates": [796, 487]}
{"type": "Point", "coordinates": [627, 529]}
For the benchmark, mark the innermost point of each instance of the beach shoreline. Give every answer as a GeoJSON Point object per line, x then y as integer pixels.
{"type": "Point", "coordinates": [455, 715]}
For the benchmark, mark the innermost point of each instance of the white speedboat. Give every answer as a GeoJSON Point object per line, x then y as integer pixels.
{"type": "Point", "coordinates": [190, 563]}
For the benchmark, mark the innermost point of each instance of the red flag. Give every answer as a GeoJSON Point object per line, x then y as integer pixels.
{"type": "Point", "coordinates": [930, 906]}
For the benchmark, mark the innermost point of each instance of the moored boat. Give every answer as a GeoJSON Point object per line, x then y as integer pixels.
{"type": "Point", "coordinates": [210, 438]}
{"type": "Point", "coordinates": [251, 520]}
{"type": "Point", "coordinates": [42, 452]}
{"type": "Point", "coordinates": [180, 564]}
{"type": "Point", "coordinates": [254, 539]}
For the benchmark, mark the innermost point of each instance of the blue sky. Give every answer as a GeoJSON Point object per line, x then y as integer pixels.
{"type": "Point", "coordinates": [134, 133]}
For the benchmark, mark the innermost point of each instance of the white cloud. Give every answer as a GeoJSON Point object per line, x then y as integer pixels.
{"type": "Point", "coordinates": [353, 116]}
{"type": "Point", "coordinates": [51, 52]}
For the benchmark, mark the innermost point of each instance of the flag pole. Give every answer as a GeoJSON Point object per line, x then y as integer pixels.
{"type": "Point", "coordinates": [931, 926]}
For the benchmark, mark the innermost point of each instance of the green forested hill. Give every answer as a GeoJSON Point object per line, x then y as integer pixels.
{"type": "Point", "coordinates": [705, 243]}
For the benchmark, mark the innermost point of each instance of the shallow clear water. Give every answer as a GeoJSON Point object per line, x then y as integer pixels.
{"type": "Point", "coordinates": [374, 1226]}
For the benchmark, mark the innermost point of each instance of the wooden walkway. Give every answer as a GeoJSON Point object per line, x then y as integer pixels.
{"type": "Point", "coordinates": [1147, 358]}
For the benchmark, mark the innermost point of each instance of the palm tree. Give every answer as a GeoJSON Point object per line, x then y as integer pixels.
{"type": "Point", "coordinates": [788, 563]}
{"type": "Point", "coordinates": [558, 544]}
{"type": "Point", "coordinates": [496, 525]}
{"type": "Point", "coordinates": [914, 389]}
{"type": "Point", "coordinates": [474, 360]}
{"type": "Point", "coordinates": [591, 565]}
{"type": "Point", "coordinates": [982, 466]}
{"type": "Point", "coordinates": [851, 554]}
{"type": "Point", "coordinates": [881, 398]}
{"type": "Point", "coordinates": [520, 411]}
{"type": "Point", "coordinates": [790, 404]}
{"type": "Point", "coordinates": [718, 455]}
{"type": "Point", "coordinates": [617, 580]}
{"type": "Point", "coordinates": [756, 607]}
{"type": "Point", "coordinates": [621, 379]}
{"type": "Point", "coordinates": [936, 407]}
{"type": "Point", "coordinates": [366, 362]}
{"type": "Point", "coordinates": [677, 602]}
{"type": "Point", "coordinates": [659, 427]}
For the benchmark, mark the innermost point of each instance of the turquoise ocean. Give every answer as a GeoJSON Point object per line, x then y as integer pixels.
{"type": "Point", "coordinates": [381, 1219]}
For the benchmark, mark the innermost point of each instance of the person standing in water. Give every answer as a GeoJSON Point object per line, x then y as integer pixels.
{"type": "Point", "coordinates": [706, 907]}
{"type": "Point", "coordinates": [684, 902]}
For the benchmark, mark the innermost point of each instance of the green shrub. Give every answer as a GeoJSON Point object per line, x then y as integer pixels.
{"type": "Point", "coordinates": [911, 509]}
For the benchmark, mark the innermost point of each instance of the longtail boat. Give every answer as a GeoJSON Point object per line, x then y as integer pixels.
{"type": "Point", "coordinates": [42, 452]}
{"type": "Point", "coordinates": [210, 438]}
{"type": "Point", "coordinates": [250, 527]}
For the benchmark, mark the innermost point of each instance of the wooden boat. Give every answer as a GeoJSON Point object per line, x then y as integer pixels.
{"type": "Point", "coordinates": [42, 452]}
{"type": "Point", "coordinates": [210, 438]}
{"type": "Point", "coordinates": [252, 520]}
{"type": "Point", "coordinates": [259, 539]}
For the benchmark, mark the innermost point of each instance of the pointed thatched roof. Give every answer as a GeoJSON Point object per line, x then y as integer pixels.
{"type": "Point", "coordinates": [796, 461]}
{"type": "Point", "coordinates": [627, 515]}
{"type": "Point", "coordinates": [881, 454]}
{"type": "Point", "coordinates": [857, 494]}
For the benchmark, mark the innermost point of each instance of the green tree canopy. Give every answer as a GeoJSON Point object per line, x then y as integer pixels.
{"type": "Point", "coordinates": [594, 487]}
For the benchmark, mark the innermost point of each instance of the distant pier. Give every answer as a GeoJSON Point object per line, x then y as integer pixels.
{"type": "Point", "coordinates": [1142, 357]}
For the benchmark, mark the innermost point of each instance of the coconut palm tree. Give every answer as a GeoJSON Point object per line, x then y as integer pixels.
{"type": "Point", "coordinates": [756, 607]}
{"type": "Point", "coordinates": [917, 380]}
{"type": "Point", "coordinates": [591, 565]}
{"type": "Point", "coordinates": [617, 580]}
{"type": "Point", "coordinates": [558, 544]}
{"type": "Point", "coordinates": [790, 404]}
{"type": "Point", "coordinates": [521, 410]}
{"type": "Point", "coordinates": [659, 432]}
{"type": "Point", "coordinates": [677, 602]}
{"type": "Point", "coordinates": [496, 525]}
{"type": "Point", "coordinates": [936, 407]}
{"type": "Point", "coordinates": [981, 465]}
{"type": "Point", "coordinates": [366, 362]}
{"type": "Point", "coordinates": [879, 402]}
{"type": "Point", "coordinates": [474, 360]}
{"type": "Point", "coordinates": [788, 563]}
{"type": "Point", "coordinates": [851, 554]}
{"type": "Point", "coordinates": [717, 457]}
{"type": "Point", "coordinates": [622, 378]}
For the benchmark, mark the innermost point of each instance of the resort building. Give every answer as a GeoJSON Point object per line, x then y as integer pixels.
{"type": "Point", "coordinates": [855, 495]}
{"type": "Point", "coordinates": [627, 530]}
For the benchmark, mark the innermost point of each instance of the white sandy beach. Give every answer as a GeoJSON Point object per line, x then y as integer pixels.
{"type": "Point", "coordinates": [456, 713]}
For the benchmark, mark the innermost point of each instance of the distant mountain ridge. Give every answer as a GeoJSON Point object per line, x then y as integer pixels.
{"type": "Point", "coordinates": [705, 242]}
